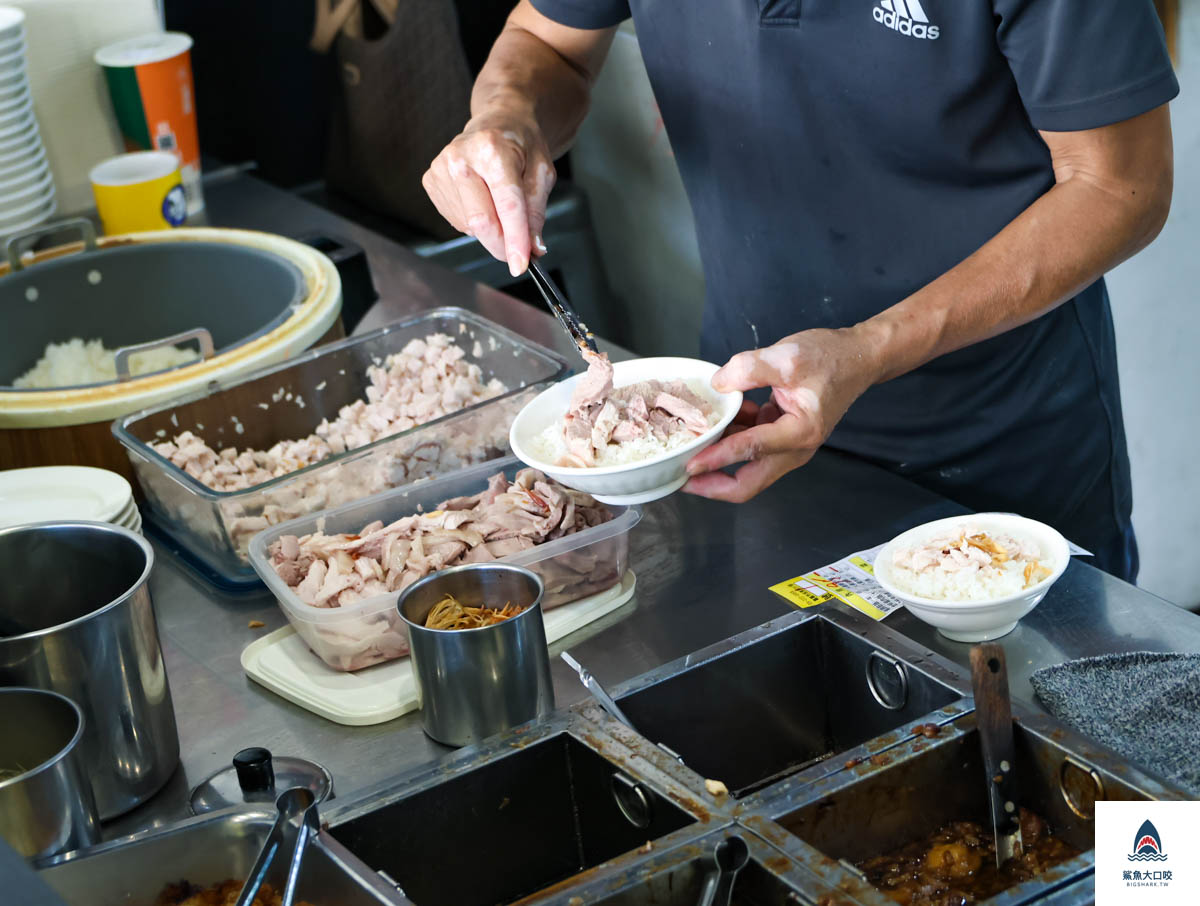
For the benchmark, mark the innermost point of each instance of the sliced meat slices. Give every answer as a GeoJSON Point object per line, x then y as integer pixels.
{"type": "Point", "coordinates": [600, 417]}
{"type": "Point", "coordinates": [336, 570]}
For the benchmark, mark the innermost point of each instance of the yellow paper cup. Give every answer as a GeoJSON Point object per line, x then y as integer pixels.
{"type": "Point", "coordinates": [138, 192]}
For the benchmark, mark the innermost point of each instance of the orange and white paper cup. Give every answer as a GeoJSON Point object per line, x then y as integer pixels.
{"type": "Point", "coordinates": [150, 83]}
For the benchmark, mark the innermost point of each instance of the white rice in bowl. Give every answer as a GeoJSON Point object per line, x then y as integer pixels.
{"type": "Point", "coordinates": [969, 563]}
{"type": "Point", "coordinates": [550, 446]}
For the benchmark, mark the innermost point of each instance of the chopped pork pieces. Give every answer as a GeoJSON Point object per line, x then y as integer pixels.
{"type": "Point", "coordinates": [339, 570]}
{"type": "Point", "coordinates": [427, 379]}
{"type": "Point", "coordinates": [639, 419]}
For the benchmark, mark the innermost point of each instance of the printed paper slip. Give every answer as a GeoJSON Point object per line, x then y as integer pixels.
{"type": "Point", "coordinates": [851, 580]}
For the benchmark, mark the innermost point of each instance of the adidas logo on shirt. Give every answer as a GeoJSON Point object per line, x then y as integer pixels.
{"type": "Point", "coordinates": [907, 17]}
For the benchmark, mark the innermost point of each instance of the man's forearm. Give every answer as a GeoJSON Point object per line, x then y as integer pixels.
{"type": "Point", "coordinates": [1068, 238]}
{"type": "Point", "coordinates": [526, 77]}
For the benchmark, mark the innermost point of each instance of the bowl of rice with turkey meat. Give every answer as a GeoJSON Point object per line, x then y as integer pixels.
{"type": "Point", "coordinates": [623, 432]}
{"type": "Point", "coordinates": [973, 577]}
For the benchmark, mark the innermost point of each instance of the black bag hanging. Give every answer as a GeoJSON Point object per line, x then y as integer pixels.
{"type": "Point", "coordinates": [403, 96]}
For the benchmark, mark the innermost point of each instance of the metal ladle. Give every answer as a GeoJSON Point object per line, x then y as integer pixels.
{"type": "Point", "coordinates": [731, 856]}
{"type": "Point", "coordinates": [298, 802]}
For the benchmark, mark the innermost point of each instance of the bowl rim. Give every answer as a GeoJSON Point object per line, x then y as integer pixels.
{"type": "Point", "coordinates": [733, 398]}
{"type": "Point", "coordinates": [1061, 551]}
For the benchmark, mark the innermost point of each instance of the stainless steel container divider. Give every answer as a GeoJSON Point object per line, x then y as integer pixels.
{"type": "Point", "coordinates": [473, 683]}
{"type": "Point", "coordinates": [873, 677]}
{"type": "Point", "coordinates": [558, 773]}
{"type": "Point", "coordinates": [79, 591]}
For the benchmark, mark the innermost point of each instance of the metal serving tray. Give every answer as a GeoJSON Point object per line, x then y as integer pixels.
{"type": "Point", "coordinates": [922, 784]}
{"type": "Point", "coordinates": [214, 528]}
{"type": "Point", "coordinates": [522, 817]}
{"type": "Point", "coordinates": [207, 850]}
{"type": "Point", "coordinates": [788, 701]}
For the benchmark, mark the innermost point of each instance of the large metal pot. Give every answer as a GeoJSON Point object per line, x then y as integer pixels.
{"type": "Point", "coordinates": [249, 299]}
{"type": "Point", "coordinates": [46, 803]}
{"type": "Point", "coordinates": [76, 618]}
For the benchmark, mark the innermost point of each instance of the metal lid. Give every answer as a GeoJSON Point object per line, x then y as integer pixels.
{"type": "Point", "coordinates": [255, 777]}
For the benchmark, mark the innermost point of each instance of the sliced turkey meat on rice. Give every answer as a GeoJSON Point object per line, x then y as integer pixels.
{"type": "Point", "coordinates": [340, 570]}
{"type": "Point", "coordinates": [969, 564]}
{"type": "Point", "coordinates": [426, 380]}
{"type": "Point", "coordinates": [612, 426]}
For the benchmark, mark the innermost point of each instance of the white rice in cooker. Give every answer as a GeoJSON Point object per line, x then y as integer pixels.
{"type": "Point", "coordinates": [550, 446]}
{"type": "Point", "coordinates": [967, 563]}
{"type": "Point", "coordinates": [76, 362]}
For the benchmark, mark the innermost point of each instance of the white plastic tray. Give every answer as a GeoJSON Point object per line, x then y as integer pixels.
{"type": "Point", "coordinates": [283, 663]}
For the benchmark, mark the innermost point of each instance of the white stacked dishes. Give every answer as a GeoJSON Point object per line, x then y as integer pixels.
{"type": "Point", "coordinates": [67, 493]}
{"type": "Point", "coordinates": [27, 196]}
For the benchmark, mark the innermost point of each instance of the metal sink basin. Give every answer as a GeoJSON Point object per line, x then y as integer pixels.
{"type": "Point", "coordinates": [677, 876]}
{"type": "Point", "coordinates": [493, 829]}
{"type": "Point", "coordinates": [780, 698]}
{"type": "Point", "coordinates": [922, 785]}
{"type": "Point", "coordinates": [204, 851]}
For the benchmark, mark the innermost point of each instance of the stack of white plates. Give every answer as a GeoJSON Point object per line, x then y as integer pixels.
{"type": "Point", "coordinates": [63, 493]}
{"type": "Point", "coordinates": [26, 185]}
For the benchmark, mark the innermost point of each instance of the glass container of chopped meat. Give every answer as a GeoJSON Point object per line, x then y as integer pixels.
{"type": "Point", "coordinates": [345, 608]}
{"type": "Point", "coordinates": [336, 449]}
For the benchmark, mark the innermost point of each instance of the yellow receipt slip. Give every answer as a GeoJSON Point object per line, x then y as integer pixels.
{"type": "Point", "coordinates": [850, 580]}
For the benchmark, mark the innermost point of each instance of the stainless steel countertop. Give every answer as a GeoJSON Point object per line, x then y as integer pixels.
{"type": "Point", "coordinates": [703, 569]}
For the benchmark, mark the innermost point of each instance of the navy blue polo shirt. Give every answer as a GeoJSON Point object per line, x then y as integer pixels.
{"type": "Point", "coordinates": [841, 154]}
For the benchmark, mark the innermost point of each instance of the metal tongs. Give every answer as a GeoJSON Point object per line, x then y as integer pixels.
{"type": "Point", "coordinates": [298, 802]}
{"type": "Point", "coordinates": [593, 686]}
{"type": "Point", "coordinates": [606, 701]}
{"type": "Point", "coordinates": [567, 317]}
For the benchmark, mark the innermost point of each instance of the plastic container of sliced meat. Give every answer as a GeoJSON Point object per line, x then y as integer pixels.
{"type": "Point", "coordinates": [213, 528]}
{"type": "Point", "coordinates": [371, 631]}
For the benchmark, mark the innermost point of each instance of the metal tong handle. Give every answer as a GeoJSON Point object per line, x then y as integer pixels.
{"type": "Point", "coordinates": [606, 701]}
{"type": "Point", "coordinates": [593, 686]}
{"type": "Point", "coordinates": [993, 715]}
{"type": "Point", "coordinates": [298, 801]}
{"type": "Point", "coordinates": [567, 317]}
{"type": "Point", "coordinates": [730, 856]}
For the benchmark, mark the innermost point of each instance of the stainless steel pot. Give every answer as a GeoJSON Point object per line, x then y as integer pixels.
{"type": "Point", "coordinates": [473, 683]}
{"type": "Point", "coordinates": [46, 803]}
{"type": "Point", "coordinates": [76, 618]}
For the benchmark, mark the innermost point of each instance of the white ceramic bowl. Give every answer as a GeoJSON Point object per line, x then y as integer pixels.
{"type": "Point", "coordinates": [977, 621]}
{"type": "Point", "coordinates": [638, 482]}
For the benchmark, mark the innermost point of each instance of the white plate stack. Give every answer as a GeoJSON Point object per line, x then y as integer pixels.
{"type": "Point", "coordinates": [64, 493]}
{"type": "Point", "coordinates": [26, 185]}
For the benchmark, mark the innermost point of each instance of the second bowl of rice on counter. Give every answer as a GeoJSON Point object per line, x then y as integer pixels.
{"type": "Point", "coordinates": [625, 447]}
{"type": "Point", "coordinates": [973, 577]}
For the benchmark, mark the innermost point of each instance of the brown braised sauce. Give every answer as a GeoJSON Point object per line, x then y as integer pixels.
{"type": "Point", "coordinates": [956, 865]}
{"type": "Point", "coordinates": [223, 894]}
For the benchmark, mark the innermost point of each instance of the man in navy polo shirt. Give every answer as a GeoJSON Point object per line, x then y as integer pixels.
{"type": "Point", "coordinates": [904, 208]}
